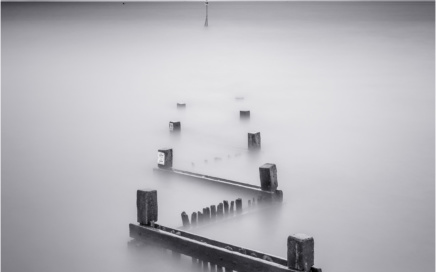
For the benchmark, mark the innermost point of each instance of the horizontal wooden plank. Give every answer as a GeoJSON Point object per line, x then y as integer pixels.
{"type": "Point", "coordinates": [199, 238]}
{"type": "Point", "coordinates": [253, 188]}
{"type": "Point", "coordinates": [203, 250]}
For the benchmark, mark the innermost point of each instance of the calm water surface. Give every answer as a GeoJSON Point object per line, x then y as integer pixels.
{"type": "Point", "coordinates": [342, 93]}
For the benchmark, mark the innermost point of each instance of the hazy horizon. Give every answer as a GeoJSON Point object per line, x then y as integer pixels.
{"type": "Point", "coordinates": [341, 92]}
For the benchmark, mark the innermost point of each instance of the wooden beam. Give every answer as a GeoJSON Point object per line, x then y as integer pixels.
{"type": "Point", "coordinates": [257, 190]}
{"type": "Point", "coordinates": [208, 250]}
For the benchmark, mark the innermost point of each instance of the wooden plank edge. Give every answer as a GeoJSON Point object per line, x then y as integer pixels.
{"type": "Point", "coordinates": [204, 251]}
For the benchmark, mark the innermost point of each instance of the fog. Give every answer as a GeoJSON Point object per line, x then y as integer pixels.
{"type": "Point", "coordinates": [342, 93]}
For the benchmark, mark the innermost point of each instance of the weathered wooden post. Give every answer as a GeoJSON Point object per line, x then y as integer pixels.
{"type": "Point", "coordinates": [146, 203]}
{"type": "Point", "coordinates": [165, 158]}
{"type": "Point", "coordinates": [239, 205]}
{"type": "Point", "coordinates": [213, 212]}
{"type": "Point", "coordinates": [226, 206]}
{"type": "Point", "coordinates": [220, 210]}
{"type": "Point", "coordinates": [194, 219]}
{"type": "Point", "coordinates": [232, 206]}
{"type": "Point", "coordinates": [244, 115]}
{"type": "Point", "coordinates": [254, 141]}
{"type": "Point", "coordinates": [181, 106]}
{"type": "Point", "coordinates": [268, 177]}
{"type": "Point", "coordinates": [206, 215]}
{"type": "Point", "coordinates": [185, 219]}
{"type": "Point", "coordinates": [300, 252]}
{"type": "Point", "coordinates": [200, 218]}
{"type": "Point", "coordinates": [175, 126]}
{"type": "Point", "coordinates": [278, 195]}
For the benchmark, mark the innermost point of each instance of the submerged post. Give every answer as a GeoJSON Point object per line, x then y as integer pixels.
{"type": "Point", "coordinates": [244, 115]}
{"type": "Point", "coordinates": [206, 214]}
{"type": "Point", "coordinates": [254, 141]}
{"type": "Point", "coordinates": [238, 205]}
{"type": "Point", "coordinates": [226, 206]}
{"type": "Point", "coordinates": [220, 210]}
{"type": "Point", "coordinates": [181, 105]}
{"type": "Point", "coordinates": [146, 204]}
{"type": "Point", "coordinates": [175, 126]}
{"type": "Point", "coordinates": [300, 252]}
{"type": "Point", "coordinates": [185, 219]}
{"type": "Point", "coordinates": [268, 177]}
{"type": "Point", "coordinates": [165, 158]}
{"type": "Point", "coordinates": [206, 23]}
{"type": "Point", "coordinates": [213, 212]}
{"type": "Point", "coordinates": [194, 219]}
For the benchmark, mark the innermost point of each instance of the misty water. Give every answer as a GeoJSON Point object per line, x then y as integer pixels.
{"type": "Point", "coordinates": [342, 93]}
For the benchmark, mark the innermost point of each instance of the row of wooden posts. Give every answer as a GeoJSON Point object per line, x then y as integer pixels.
{"type": "Point", "coordinates": [208, 254]}
{"type": "Point", "coordinates": [267, 172]}
{"type": "Point", "coordinates": [213, 254]}
{"type": "Point", "coordinates": [212, 213]}
{"type": "Point", "coordinates": [223, 210]}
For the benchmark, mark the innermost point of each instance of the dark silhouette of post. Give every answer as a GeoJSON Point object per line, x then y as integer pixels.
{"type": "Point", "coordinates": [254, 141]}
{"type": "Point", "coordinates": [146, 204]}
{"type": "Point", "coordinates": [165, 158]}
{"type": "Point", "coordinates": [300, 252]}
{"type": "Point", "coordinates": [207, 15]}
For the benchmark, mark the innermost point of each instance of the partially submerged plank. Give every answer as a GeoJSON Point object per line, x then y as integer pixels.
{"type": "Point", "coordinates": [208, 250]}
{"type": "Point", "coordinates": [253, 188]}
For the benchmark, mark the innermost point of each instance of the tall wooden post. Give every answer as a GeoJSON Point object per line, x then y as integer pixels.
{"type": "Point", "coordinates": [268, 177]}
{"type": "Point", "coordinates": [300, 252]}
{"type": "Point", "coordinates": [207, 14]}
{"type": "Point", "coordinates": [146, 204]}
{"type": "Point", "coordinates": [254, 141]}
{"type": "Point", "coordinates": [165, 158]}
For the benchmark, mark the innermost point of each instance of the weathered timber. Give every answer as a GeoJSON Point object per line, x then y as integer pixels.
{"type": "Point", "coordinates": [238, 205]}
{"type": "Point", "coordinates": [206, 250]}
{"type": "Point", "coordinates": [213, 212]}
{"type": "Point", "coordinates": [244, 115]}
{"type": "Point", "coordinates": [194, 219]}
{"type": "Point", "coordinates": [254, 141]}
{"type": "Point", "coordinates": [181, 105]}
{"type": "Point", "coordinates": [226, 206]}
{"type": "Point", "coordinates": [165, 158]}
{"type": "Point", "coordinates": [175, 126]}
{"type": "Point", "coordinates": [146, 204]}
{"type": "Point", "coordinates": [185, 219]}
{"type": "Point", "coordinates": [203, 239]}
{"type": "Point", "coordinates": [300, 252]}
{"type": "Point", "coordinates": [268, 177]}
{"type": "Point", "coordinates": [232, 206]}
{"type": "Point", "coordinates": [220, 210]}
{"type": "Point", "coordinates": [205, 215]}
{"type": "Point", "coordinates": [256, 190]}
{"type": "Point", "coordinates": [200, 217]}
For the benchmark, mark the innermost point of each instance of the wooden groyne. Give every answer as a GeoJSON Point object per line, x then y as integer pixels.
{"type": "Point", "coordinates": [267, 172]}
{"type": "Point", "coordinates": [216, 213]}
{"type": "Point", "coordinates": [300, 252]}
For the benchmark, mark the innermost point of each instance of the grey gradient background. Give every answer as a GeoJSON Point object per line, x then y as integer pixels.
{"type": "Point", "coordinates": [343, 94]}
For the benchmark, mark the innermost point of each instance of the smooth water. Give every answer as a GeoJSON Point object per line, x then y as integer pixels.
{"type": "Point", "coordinates": [342, 93]}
